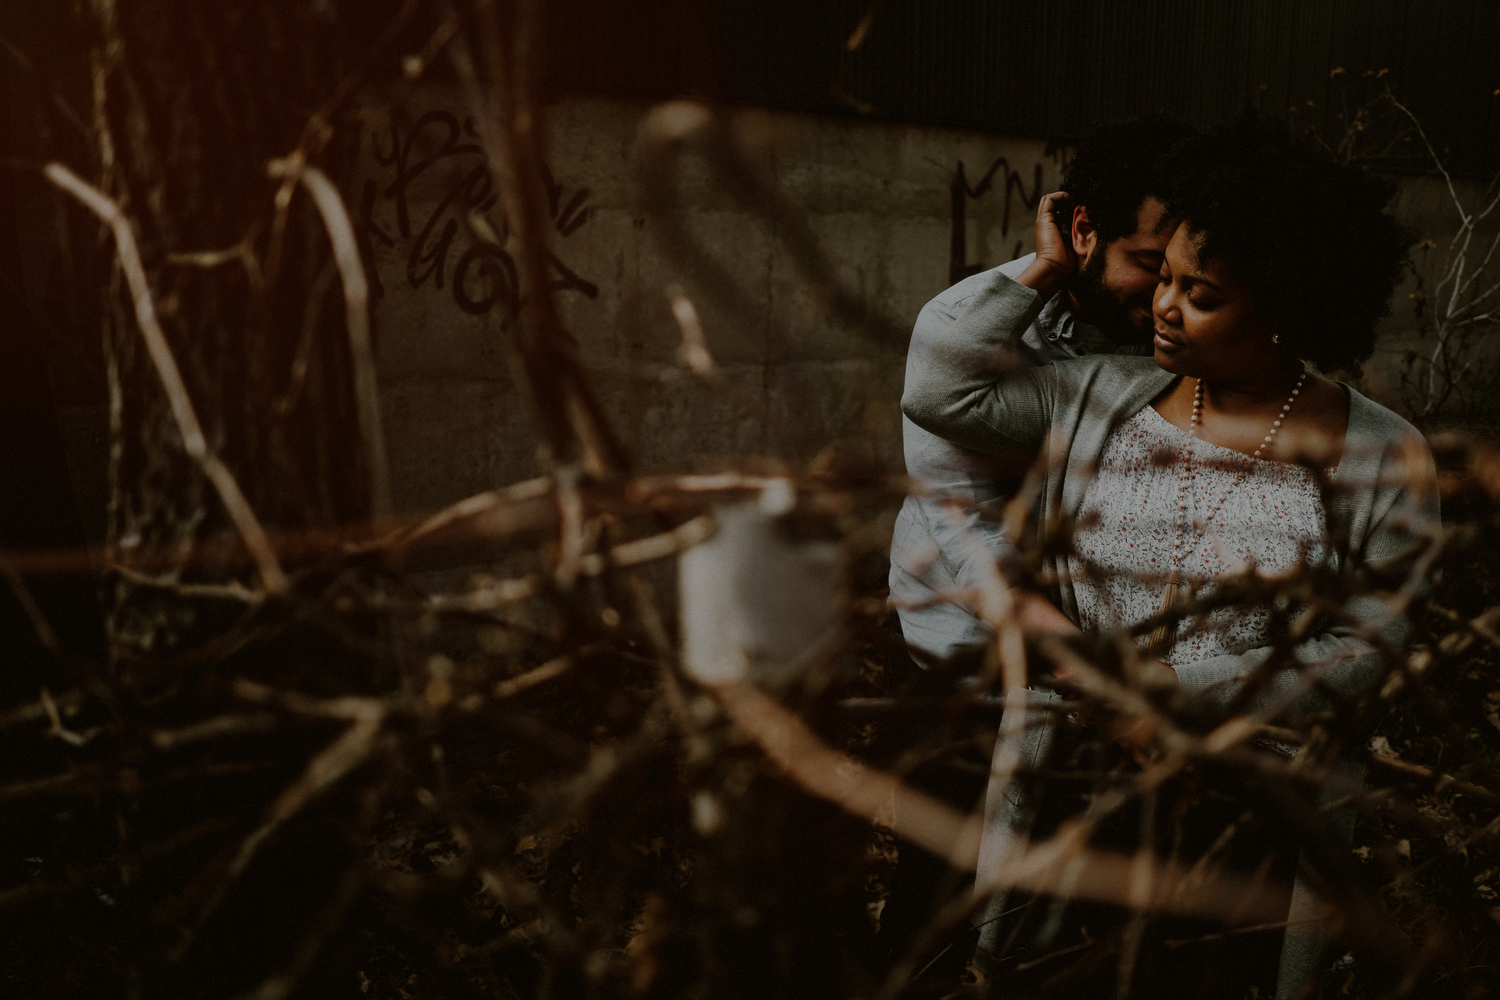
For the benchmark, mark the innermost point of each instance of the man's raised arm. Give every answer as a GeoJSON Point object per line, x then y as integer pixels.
{"type": "Point", "coordinates": [955, 372]}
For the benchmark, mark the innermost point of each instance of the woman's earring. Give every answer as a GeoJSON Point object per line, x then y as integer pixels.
{"type": "Point", "coordinates": [1275, 338]}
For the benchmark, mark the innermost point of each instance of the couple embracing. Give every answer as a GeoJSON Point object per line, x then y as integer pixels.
{"type": "Point", "coordinates": [1167, 346]}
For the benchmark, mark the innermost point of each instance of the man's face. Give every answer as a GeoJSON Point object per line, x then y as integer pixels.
{"type": "Point", "coordinates": [1114, 286]}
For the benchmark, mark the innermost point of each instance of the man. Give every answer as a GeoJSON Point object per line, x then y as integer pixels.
{"type": "Point", "coordinates": [1118, 235]}
{"type": "Point", "coordinates": [1105, 256]}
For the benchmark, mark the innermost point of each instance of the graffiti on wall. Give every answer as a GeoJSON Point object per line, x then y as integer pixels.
{"type": "Point", "coordinates": [961, 192]}
{"type": "Point", "coordinates": [457, 243]}
{"type": "Point", "coordinates": [1001, 177]}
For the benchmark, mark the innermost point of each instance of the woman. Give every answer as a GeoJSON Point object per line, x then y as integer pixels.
{"type": "Point", "coordinates": [1179, 469]}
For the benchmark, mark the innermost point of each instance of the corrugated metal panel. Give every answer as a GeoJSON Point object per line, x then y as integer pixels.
{"type": "Point", "coordinates": [1053, 67]}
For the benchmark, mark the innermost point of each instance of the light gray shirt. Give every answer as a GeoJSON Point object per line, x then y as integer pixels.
{"type": "Point", "coordinates": [941, 534]}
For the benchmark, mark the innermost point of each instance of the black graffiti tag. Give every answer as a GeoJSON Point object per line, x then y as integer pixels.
{"type": "Point", "coordinates": [960, 192]}
{"type": "Point", "coordinates": [484, 277]}
{"type": "Point", "coordinates": [498, 267]}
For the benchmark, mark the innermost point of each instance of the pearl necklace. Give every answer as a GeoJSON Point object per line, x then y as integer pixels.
{"type": "Point", "coordinates": [1173, 594]}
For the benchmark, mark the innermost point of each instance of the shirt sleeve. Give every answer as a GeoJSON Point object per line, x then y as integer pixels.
{"type": "Point", "coordinates": [962, 382]}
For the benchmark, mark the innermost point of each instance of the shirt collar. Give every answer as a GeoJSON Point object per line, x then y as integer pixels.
{"type": "Point", "coordinates": [1057, 322]}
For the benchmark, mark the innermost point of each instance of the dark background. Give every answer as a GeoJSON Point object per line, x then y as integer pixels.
{"type": "Point", "coordinates": [1050, 68]}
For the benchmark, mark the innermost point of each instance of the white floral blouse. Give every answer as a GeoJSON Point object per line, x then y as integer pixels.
{"type": "Point", "coordinates": [1263, 516]}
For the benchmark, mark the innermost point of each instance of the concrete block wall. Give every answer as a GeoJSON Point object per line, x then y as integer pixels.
{"type": "Point", "coordinates": [876, 194]}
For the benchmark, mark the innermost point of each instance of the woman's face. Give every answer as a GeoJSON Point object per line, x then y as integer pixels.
{"type": "Point", "coordinates": [1205, 325]}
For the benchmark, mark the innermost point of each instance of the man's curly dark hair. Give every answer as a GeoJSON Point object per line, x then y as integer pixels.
{"type": "Point", "coordinates": [1308, 236]}
{"type": "Point", "coordinates": [1118, 165]}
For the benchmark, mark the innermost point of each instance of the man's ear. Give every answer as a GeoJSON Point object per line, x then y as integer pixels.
{"type": "Point", "coordinates": [1084, 236]}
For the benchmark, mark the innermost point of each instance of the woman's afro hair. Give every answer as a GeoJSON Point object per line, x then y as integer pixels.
{"type": "Point", "coordinates": [1308, 236]}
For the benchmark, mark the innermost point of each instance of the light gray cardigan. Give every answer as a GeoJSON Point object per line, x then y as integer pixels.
{"type": "Point", "coordinates": [959, 388]}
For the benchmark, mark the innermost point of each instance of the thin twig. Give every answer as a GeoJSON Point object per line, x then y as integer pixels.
{"type": "Point", "coordinates": [1440, 782]}
{"type": "Point", "coordinates": [356, 313]}
{"type": "Point", "coordinates": [45, 634]}
{"type": "Point", "coordinates": [193, 440]}
{"type": "Point", "coordinates": [336, 760]}
{"type": "Point", "coordinates": [512, 686]}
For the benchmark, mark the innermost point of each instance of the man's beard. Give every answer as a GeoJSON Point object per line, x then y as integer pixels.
{"type": "Point", "coordinates": [1099, 307]}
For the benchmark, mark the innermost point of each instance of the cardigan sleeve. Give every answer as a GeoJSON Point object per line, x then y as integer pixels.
{"type": "Point", "coordinates": [1403, 514]}
{"type": "Point", "coordinates": [961, 381]}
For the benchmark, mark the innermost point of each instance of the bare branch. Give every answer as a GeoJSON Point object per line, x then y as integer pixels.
{"type": "Point", "coordinates": [193, 441]}
{"type": "Point", "coordinates": [356, 312]}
